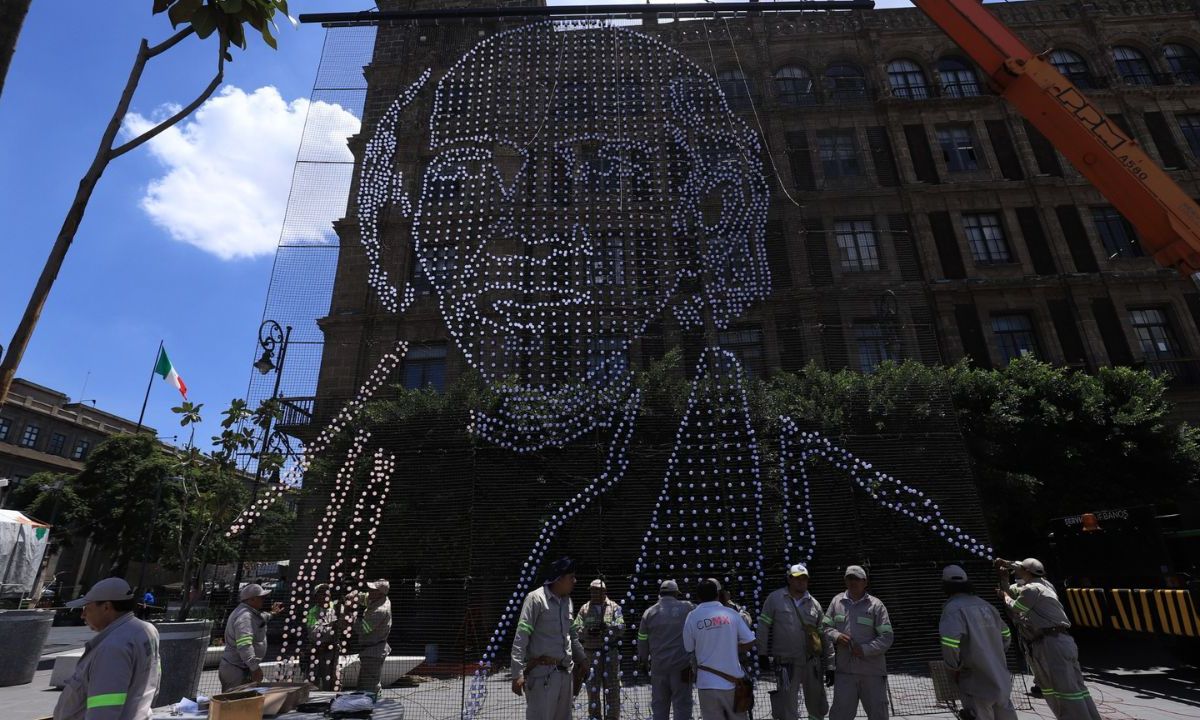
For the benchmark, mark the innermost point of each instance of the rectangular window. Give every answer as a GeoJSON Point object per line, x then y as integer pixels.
{"type": "Point", "coordinates": [1014, 336]}
{"type": "Point", "coordinates": [800, 159]}
{"type": "Point", "coordinates": [921, 154]}
{"type": "Point", "coordinates": [986, 238]}
{"type": "Point", "coordinates": [747, 345]}
{"type": "Point", "coordinates": [57, 440]}
{"type": "Point", "coordinates": [881, 153]}
{"type": "Point", "coordinates": [608, 264]}
{"type": "Point", "coordinates": [857, 245]}
{"type": "Point", "coordinates": [874, 346]}
{"type": "Point", "coordinates": [1115, 232]}
{"type": "Point", "coordinates": [609, 355]}
{"type": "Point", "coordinates": [1006, 152]}
{"type": "Point", "coordinates": [1189, 125]}
{"type": "Point", "coordinates": [440, 261]}
{"type": "Point", "coordinates": [1043, 152]}
{"type": "Point", "coordinates": [425, 367]}
{"type": "Point", "coordinates": [958, 148]}
{"type": "Point", "coordinates": [30, 436]}
{"type": "Point", "coordinates": [1160, 132]}
{"type": "Point", "coordinates": [1154, 335]}
{"type": "Point", "coordinates": [5, 427]}
{"type": "Point", "coordinates": [81, 450]}
{"type": "Point", "coordinates": [839, 154]}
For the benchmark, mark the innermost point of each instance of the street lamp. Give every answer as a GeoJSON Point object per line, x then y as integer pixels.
{"type": "Point", "coordinates": [271, 337]}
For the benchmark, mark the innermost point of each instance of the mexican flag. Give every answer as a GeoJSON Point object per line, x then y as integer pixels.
{"type": "Point", "coordinates": [167, 370]}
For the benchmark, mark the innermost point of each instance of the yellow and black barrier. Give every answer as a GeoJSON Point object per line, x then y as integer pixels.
{"type": "Point", "coordinates": [1162, 612]}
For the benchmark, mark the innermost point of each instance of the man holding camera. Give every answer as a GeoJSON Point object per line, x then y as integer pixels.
{"type": "Point", "coordinates": [598, 617]}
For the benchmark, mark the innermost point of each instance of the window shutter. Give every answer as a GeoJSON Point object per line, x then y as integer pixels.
{"type": "Point", "coordinates": [1043, 152]}
{"type": "Point", "coordinates": [833, 342]}
{"type": "Point", "coordinates": [1160, 132]}
{"type": "Point", "coordinates": [778, 259]}
{"type": "Point", "coordinates": [883, 157]}
{"type": "Point", "coordinates": [970, 331]}
{"type": "Point", "coordinates": [1077, 240]}
{"type": "Point", "coordinates": [789, 334]}
{"type": "Point", "coordinates": [816, 246]}
{"type": "Point", "coordinates": [1006, 154]}
{"type": "Point", "coordinates": [1111, 333]}
{"type": "Point", "coordinates": [906, 253]}
{"type": "Point", "coordinates": [800, 158]}
{"type": "Point", "coordinates": [947, 246]}
{"type": "Point", "coordinates": [1068, 333]}
{"type": "Point", "coordinates": [1035, 241]}
{"type": "Point", "coordinates": [922, 156]}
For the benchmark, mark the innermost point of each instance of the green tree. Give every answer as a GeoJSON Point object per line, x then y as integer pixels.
{"type": "Point", "coordinates": [227, 21]}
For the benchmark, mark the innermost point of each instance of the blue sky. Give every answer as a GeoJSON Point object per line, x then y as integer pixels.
{"type": "Point", "coordinates": [170, 270]}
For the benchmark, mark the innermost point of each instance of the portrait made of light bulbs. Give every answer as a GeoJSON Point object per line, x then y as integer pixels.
{"type": "Point", "coordinates": [585, 180]}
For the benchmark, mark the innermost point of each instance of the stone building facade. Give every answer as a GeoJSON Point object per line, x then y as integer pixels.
{"type": "Point", "coordinates": [914, 213]}
{"type": "Point", "coordinates": [41, 430]}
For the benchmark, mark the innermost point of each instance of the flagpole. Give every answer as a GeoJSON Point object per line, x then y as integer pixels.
{"type": "Point", "coordinates": [142, 414]}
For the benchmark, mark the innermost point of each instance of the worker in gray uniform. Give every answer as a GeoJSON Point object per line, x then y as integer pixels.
{"type": "Point", "coordinates": [858, 626]}
{"type": "Point", "coordinates": [246, 638]}
{"type": "Point", "coordinates": [792, 642]}
{"type": "Point", "coordinates": [321, 631]}
{"type": "Point", "coordinates": [974, 641]}
{"type": "Point", "coordinates": [1034, 606]}
{"type": "Point", "coordinates": [660, 652]}
{"type": "Point", "coordinates": [600, 625]}
{"type": "Point", "coordinates": [374, 626]}
{"type": "Point", "coordinates": [547, 658]}
{"type": "Point", "coordinates": [117, 676]}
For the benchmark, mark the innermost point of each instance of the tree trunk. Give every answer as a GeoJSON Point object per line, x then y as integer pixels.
{"type": "Point", "coordinates": [12, 16]}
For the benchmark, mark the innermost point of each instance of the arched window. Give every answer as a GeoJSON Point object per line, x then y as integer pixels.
{"type": "Point", "coordinates": [736, 88]}
{"type": "Point", "coordinates": [794, 86]}
{"type": "Point", "coordinates": [1132, 65]}
{"type": "Point", "coordinates": [1073, 67]}
{"type": "Point", "coordinates": [845, 83]}
{"type": "Point", "coordinates": [957, 77]}
{"type": "Point", "coordinates": [907, 80]}
{"type": "Point", "coordinates": [1184, 63]}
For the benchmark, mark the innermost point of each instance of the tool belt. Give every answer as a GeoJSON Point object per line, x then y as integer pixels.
{"type": "Point", "coordinates": [1048, 632]}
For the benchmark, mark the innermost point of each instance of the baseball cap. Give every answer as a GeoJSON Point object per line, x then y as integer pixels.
{"type": "Point", "coordinates": [798, 570]}
{"type": "Point", "coordinates": [1033, 565]}
{"type": "Point", "coordinates": [562, 566]}
{"type": "Point", "coordinates": [668, 586]}
{"type": "Point", "coordinates": [856, 571]}
{"type": "Point", "coordinates": [380, 584]}
{"type": "Point", "coordinates": [107, 590]}
{"type": "Point", "coordinates": [598, 584]}
{"type": "Point", "coordinates": [954, 574]}
{"type": "Point", "coordinates": [252, 591]}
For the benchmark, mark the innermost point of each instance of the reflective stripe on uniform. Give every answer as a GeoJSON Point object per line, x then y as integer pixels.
{"type": "Point", "coordinates": [839, 618]}
{"type": "Point", "coordinates": [1018, 606]}
{"type": "Point", "coordinates": [883, 628]}
{"type": "Point", "coordinates": [1082, 695]}
{"type": "Point", "coordinates": [107, 700]}
{"type": "Point", "coordinates": [643, 636]}
{"type": "Point", "coordinates": [366, 626]}
{"type": "Point", "coordinates": [245, 640]}
{"type": "Point", "coordinates": [826, 621]}
{"type": "Point", "coordinates": [865, 621]}
{"type": "Point", "coordinates": [951, 642]}
{"type": "Point", "coordinates": [1006, 632]}
{"type": "Point", "coordinates": [766, 618]}
{"type": "Point", "coordinates": [525, 626]}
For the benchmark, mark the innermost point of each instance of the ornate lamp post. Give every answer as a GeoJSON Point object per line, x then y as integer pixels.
{"type": "Point", "coordinates": [272, 338]}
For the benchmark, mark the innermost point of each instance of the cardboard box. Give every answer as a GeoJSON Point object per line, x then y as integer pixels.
{"type": "Point", "coordinates": [246, 705]}
{"type": "Point", "coordinates": [282, 697]}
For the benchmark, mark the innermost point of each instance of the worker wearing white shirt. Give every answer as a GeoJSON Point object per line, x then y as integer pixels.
{"type": "Point", "coordinates": [716, 635]}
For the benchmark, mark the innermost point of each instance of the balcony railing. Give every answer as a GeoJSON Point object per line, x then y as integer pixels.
{"type": "Point", "coordinates": [1180, 371]}
{"type": "Point", "coordinates": [296, 411]}
{"type": "Point", "coordinates": [1147, 79]}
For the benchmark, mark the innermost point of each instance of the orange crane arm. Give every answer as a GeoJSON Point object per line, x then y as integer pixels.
{"type": "Point", "coordinates": [1166, 219]}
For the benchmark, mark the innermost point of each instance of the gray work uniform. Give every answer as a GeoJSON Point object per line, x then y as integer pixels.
{"type": "Point", "coordinates": [792, 632]}
{"type": "Point", "coordinates": [320, 624]}
{"type": "Point", "coordinates": [593, 624]}
{"type": "Point", "coordinates": [245, 645]}
{"type": "Point", "coordinates": [547, 643]}
{"type": "Point", "coordinates": [117, 677]}
{"type": "Point", "coordinates": [974, 642]}
{"type": "Point", "coordinates": [1039, 613]}
{"type": "Point", "coordinates": [374, 628]}
{"type": "Point", "coordinates": [660, 639]}
{"type": "Point", "coordinates": [859, 679]}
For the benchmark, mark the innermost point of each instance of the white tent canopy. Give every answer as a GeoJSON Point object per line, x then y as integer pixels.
{"type": "Point", "coordinates": [23, 541]}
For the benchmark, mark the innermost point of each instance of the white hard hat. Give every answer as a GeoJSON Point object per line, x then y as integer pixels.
{"type": "Point", "coordinates": [598, 584]}
{"type": "Point", "coordinates": [1033, 565]}
{"type": "Point", "coordinates": [954, 574]}
{"type": "Point", "coordinates": [798, 570]}
{"type": "Point", "coordinates": [107, 590]}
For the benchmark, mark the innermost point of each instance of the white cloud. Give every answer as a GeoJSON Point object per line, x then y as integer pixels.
{"type": "Point", "coordinates": [228, 170]}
